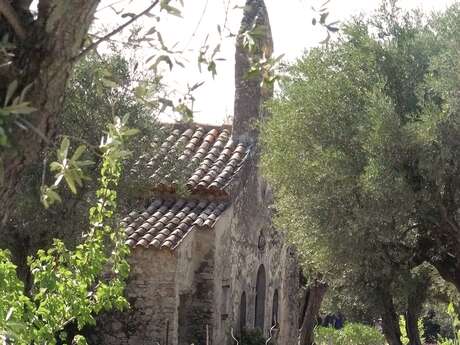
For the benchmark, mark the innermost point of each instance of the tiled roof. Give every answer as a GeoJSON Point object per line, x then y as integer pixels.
{"type": "Point", "coordinates": [211, 160]}
{"type": "Point", "coordinates": [167, 221]}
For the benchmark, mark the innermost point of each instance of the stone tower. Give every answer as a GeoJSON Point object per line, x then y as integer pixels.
{"type": "Point", "coordinates": [249, 95]}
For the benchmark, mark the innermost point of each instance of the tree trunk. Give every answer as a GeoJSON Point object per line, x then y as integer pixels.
{"type": "Point", "coordinates": [313, 300]}
{"type": "Point", "coordinates": [417, 295]}
{"type": "Point", "coordinates": [412, 328]}
{"type": "Point", "coordinates": [44, 60]}
{"type": "Point", "coordinates": [390, 326]}
{"type": "Point", "coordinates": [390, 319]}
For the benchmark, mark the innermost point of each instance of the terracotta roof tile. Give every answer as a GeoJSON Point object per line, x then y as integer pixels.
{"type": "Point", "coordinates": [167, 221]}
{"type": "Point", "coordinates": [213, 160]}
{"type": "Point", "coordinates": [210, 152]}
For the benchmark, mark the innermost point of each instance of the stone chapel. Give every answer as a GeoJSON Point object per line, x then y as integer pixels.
{"type": "Point", "coordinates": [211, 264]}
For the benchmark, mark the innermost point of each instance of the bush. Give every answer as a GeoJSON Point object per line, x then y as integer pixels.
{"type": "Point", "coordinates": [455, 320]}
{"type": "Point", "coordinates": [351, 334]}
{"type": "Point", "coordinates": [252, 337]}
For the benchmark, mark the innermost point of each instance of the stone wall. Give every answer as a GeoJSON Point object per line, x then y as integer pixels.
{"type": "Point", "coordinates": [256, 242]}
{"type": "Point", "coordinates": [195, 288]}
{"type": "Point", "coordinates": [151, 291]}
{"type": "Point", "coordinates": [171, 296]}
{"type": "Point", "coordinates": [245, 239]}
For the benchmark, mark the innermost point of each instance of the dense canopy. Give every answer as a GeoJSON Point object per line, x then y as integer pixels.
{"type": "Point", "coordinates": [362, 151]}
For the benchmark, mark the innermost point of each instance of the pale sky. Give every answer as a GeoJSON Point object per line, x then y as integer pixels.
{"type": "Point", "coordinates": [292, 30]}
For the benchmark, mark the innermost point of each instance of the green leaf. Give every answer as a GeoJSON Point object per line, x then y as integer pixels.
{"type": "Point", "coordinates": [56, 166]}
{"type": "Point", "coordinates": [130, 132]}
{"type": "Point", "coordinates": [25, 91]}
{"type": "Point", "coordinates": [49, 196]}
{"type": "Point", "coordinates": [80, 340]}
{"type": "Point", "coordinates": [177, 62]}
{"type": "Point", "coordinates": [151, 31]}
{"type": "Point", "coordinates": [71, 183]}
{"type": "Point", "coordinates": [10, 91]}
{"type": "Point", "coordinates": [59, 178]}
{"type": "Point", "coordinates": [212, 68]}
{"type": "Point", "coordinates": [160, 39]}
{"type": "Point", "coordinates": [163, 58]}
{"type": "Point", "coordinates": [84, 163]}
{"type": "Point", "coordinates": [172, 10]}
{"type": "Point", "coordinates": [323, 17]}
{"type": "Point", "coordinates": [55, 196]}
{"type": "Point", "coordinates": [21, 108]}
{"type": "Point", "coordinates": [128, 14]}
{"type": "Point", "coordinates": [451, 309]}
{"type": "Point", "coordinates": [64, 148]}
{"type": "Point", "coordinates": [78, 152]}
{"type": "Point", "coordinates": [196, 86]}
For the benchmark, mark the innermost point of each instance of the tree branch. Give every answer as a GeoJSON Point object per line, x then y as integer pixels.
{"type": "Point", "coordinates": [114, 32]}
{"type": "Point", "coordinates": [8, 12]}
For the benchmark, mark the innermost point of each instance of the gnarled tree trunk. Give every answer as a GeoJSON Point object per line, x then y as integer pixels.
{"type": "Point", "coordinates": [390, 319]}
{"type": "Point", "coordinates": [415, 299]}
{"type": "Point", "coordinates": [313, 300]}
{"type": "Point", "coordinates": [44, 58]}
{"type": "Point", "coordinates": [412, 328]}
{"type": "Point", "coordinates": [46, 50]}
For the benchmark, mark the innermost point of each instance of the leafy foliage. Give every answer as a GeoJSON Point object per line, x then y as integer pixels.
{"type": "Point", "coordinates": [455, 323]}
{"type": "Point", "coordinates": [252, 337]}
{"type": "Point", "coordinates": [361, 148]}
{"type": "Point", "coordinates": [69, 169]}
{"type": "Point", "coordinates": [362, 151]}
{"type": "Point", "coordinates": [89, 106]}
{"type": "Point", "coordinates": [12, 108]}
{"type": "Point", "coordinates": [103, 86]}
{"type": "Point", "coordinates": [350, 334]}
{"type": "Point", "coordinates": [72, 286]}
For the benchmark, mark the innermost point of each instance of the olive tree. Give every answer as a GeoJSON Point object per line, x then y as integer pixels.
{"type": "Point", "coordinates": [362, 151]}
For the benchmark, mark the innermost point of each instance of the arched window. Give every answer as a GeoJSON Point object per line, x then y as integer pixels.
{"type": "Point", "coordinates": [242, 323]}
{"type": "Point", "coordinates": [260, 299]}
{"type": "Point", "coordinates": [275, 318]}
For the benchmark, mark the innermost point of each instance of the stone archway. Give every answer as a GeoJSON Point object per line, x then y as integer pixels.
{"type": "Point", "coordinates": [259, 314]}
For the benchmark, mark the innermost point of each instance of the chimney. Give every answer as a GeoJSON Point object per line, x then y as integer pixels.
{"type": "Point", "coordinates": [249, 95]}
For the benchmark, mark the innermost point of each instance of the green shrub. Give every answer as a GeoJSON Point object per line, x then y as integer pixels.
{"type": "Point", "coordinates": [455, 320]}
{"type": "Point", "coordinates": [351, 334]}
{"type": "Point", "coordinates": [252, 337]}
